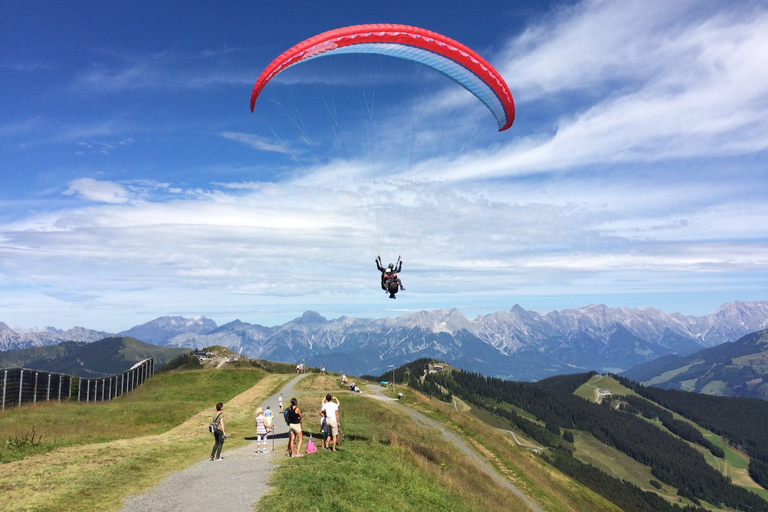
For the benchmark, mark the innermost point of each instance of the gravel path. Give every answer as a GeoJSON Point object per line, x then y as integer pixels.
{"type": "Point", "coordinates": [233, 484]}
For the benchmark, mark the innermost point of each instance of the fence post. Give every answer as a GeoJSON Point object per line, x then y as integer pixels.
{"type": "Point", "coordinates": [5, 381]}
{"type": "Point", "coordinates": [61, 377]}
{"type": "Point", "coordinates": [34, 394]}
{"type": "Point", "coordinates": [48, 394]}
{"type": "Point", "coordinates": [88, 393]}
{"type": "Point", "coordinates": [21, 384]}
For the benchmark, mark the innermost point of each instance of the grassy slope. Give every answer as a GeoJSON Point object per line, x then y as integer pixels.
{"type": "Point", "coordinates": [589, 389]}
{"type": "Point", "coordinates": [387, 462]}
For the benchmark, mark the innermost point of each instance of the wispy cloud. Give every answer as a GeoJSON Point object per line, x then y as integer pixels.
{"type": "Point", "coordinates": [642, 88]}
{"type": "Point", "coordinates": [257, 142]}
{"type": "Point", "coordinates": [116, 72]}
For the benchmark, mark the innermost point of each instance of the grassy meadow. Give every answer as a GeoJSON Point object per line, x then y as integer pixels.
{"type": "Point", "coordinates": [589, 389]}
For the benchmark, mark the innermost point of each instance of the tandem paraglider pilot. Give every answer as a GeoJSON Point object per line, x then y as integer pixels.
{"type": "Point", "coordinates": [390, 283]}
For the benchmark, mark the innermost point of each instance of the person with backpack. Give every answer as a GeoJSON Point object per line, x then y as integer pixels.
{"type": "Point", "coordinates": [293, 419]}
{"type": "Point", "coordinates": [219, 434]}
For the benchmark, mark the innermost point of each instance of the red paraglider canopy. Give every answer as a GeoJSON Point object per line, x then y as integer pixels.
{"type": "Point", "coordinates": [449, 57]}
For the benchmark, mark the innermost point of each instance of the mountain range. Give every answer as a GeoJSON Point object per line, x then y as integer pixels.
{"type": "Point", "coordinates": [515, 344]}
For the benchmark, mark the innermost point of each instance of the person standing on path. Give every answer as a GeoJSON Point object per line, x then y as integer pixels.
{"type": "Point", "coordinates": [261, 431]}
{"type": "Point", "coordinates": [219, 434]}
{"type": "Point", "coordinates": [280, 402]}
{"type": "Point", "coordinates": [294, 428]}
{"type": "Point", "coordinates": [331, 410]}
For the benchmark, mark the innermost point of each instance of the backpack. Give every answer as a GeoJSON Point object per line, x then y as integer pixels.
{"type": "Point", "coordinates": [212, 427]}
{"type": "Point", "coordinates": [285, 415]}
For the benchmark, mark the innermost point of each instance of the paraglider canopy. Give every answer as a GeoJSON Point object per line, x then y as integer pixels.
{"type": "Point", "coordinates": [451, 58]}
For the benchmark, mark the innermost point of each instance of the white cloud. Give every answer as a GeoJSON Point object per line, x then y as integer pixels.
{"type": "Point", "coordinates": [98, 191]}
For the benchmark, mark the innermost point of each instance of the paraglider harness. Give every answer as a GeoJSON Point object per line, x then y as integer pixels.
{"type": "Point", "coordinates": [389, 280]}
{"type": "Point", "coordinates": [393, 285]}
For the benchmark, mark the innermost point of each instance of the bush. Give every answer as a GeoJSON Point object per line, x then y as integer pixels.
{"type": "Point", "coordinates": [182, 362]}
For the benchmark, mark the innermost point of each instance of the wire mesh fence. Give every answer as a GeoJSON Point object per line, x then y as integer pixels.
{"type": "Point", "coordinates": [23, 385]}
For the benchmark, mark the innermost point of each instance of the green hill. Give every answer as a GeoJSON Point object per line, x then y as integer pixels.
{"type": "Point", "coordinates": [101, 358]}
{"type": "Point", "coordinates": [640, 453]}
{"type": "Point", "coordinates": [738, 368]}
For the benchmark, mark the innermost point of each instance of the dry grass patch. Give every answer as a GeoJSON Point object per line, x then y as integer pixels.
{"type": "Point", "coordinates": [320, 382]}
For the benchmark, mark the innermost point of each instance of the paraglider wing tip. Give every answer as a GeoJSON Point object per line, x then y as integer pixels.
{"type": "Point", "coordinates": [510, 118]}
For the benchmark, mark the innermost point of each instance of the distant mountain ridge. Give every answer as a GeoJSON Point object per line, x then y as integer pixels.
{"type": "Point", "coordinates": [108, 356]}
{"type": "Point", "coordinates": [738, 368]}
{"type": "Point", "coordinates": [14, 339]}
{"type": "Point", "coordinates": [515, 344]}
{"type": "Point", "coordinates": [162, 329]}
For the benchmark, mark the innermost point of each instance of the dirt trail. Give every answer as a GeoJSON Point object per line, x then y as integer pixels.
{"type": "Point", "coordinates": [376, 392]}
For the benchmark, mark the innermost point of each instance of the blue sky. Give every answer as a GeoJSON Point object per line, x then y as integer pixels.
{"type": "Point", "coordinates": [136, 182]}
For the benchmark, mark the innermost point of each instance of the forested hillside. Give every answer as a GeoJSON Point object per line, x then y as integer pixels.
{"type": "Point", "coordinates": [644, 431]}
{"type": "Point", "coordinates": [742, 421]}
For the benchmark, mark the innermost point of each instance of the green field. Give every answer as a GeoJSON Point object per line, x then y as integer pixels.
{"type": "Point", "coordinates": [589, 389]}
{"type": "Point", "coordinates": [664, 377]}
